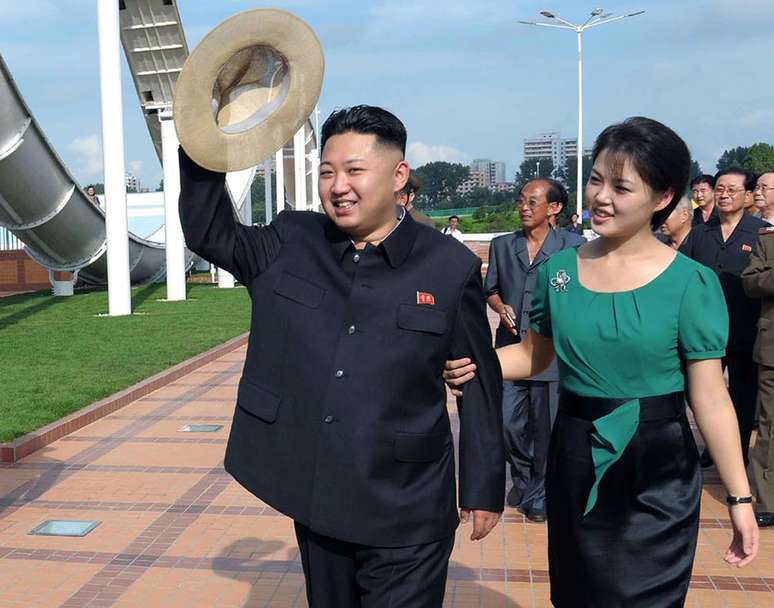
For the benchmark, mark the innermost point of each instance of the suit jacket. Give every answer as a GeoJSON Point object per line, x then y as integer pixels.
{"type": "Point", "coordinates": [728, 259]}
{"type": "Point", "coordinates": [511, 275]}
{"type": "Point", "coordinates": [341, 419]}
{"type": "Point", "coordinates": [698, 216]}
{"type": "Point", "coordinates": [758, 282]}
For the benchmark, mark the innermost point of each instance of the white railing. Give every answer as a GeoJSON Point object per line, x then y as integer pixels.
{"type": "Point", "coordinates": [8, 241]}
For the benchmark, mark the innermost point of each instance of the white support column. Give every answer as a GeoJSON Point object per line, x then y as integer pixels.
{"type": "Point", "coordinates": [315, 194]}
{"type": "Point", "coordinates": [119, 292]}
{"type": "Point", "coordinates": [267, 190]}
{"type": "Point", "coordinates": [175, 242]}
{"type": "Point", "coordinates": [279, 172]}
{"type": "Point", "coordinates": [225, 279]}
{"type": "Point", "coordinates": [247, 207]}
{"type": "Point", "coordinates": [299, 166]}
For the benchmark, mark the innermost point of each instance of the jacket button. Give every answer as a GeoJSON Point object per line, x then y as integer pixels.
{"type": "Point", "coordinates": [356, 258]}
{"type": "Point", "coordinates": [352, 329]}
{"type": "Point", "coordinates": [328, 419]}
{"type": "Point", "coordinates": [339, 373]}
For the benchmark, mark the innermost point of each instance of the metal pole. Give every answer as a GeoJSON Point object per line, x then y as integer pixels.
{"type": "Point", "coordinates": [299, 166]}
{"type": "Point", "coordinates": [174, 240]}
{"type": "Point", "coordinates": [579, 143]}
{"type": "Point", "coordinates": [116, 229]}
{"type": "Point", "coordinates": [267, 190]}
{"type": "Point", "coordinates": [279, 172]}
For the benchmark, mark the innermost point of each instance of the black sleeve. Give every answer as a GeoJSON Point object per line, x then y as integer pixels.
{"type": "Point", "coordinates": [482, 455]}
{"type": "Point", "coordinates": [688, 245]}
{"type": "Point", "coordinates": [211, 230]}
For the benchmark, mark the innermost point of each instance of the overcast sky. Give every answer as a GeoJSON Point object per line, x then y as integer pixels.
{"type": "Point", "coordinates": [464, 76]}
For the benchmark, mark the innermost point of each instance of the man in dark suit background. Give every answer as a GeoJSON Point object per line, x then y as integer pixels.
{"type": "Point", "coordinates": [341, 421]}
{"type": "Point", "coordinates": [725, 244]}
{"type": "Point", "coordinates": [406, 198]}
{"type": "Point", "coordinates": [529, 406]}
{"type": "Point", "coordinates": [703, 192]}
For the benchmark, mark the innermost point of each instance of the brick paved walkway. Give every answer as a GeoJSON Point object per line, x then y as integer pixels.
{"type": "Point", "coordinates": [177, 531]}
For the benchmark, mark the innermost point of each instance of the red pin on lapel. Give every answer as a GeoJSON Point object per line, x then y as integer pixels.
{"type": "Point", "coordinates": [746, 248]}
{"type": "Point", "coordinates": [424, 297]}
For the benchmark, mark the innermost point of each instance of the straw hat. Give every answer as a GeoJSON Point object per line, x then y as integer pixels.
{"type": "Point", "coordinates": [247, 88]}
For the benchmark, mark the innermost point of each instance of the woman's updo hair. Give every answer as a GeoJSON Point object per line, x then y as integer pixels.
{"type": "Point", "coordinates": [656, 152]}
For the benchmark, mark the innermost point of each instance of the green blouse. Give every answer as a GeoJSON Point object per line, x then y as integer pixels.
{"type": "Point", "coordinates": [627, 344]}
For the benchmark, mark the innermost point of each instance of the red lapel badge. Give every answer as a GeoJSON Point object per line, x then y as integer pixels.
{"type": "Point", "coordinates": [425, 298]}
{"type": "Point", "coordinates": [746, 248]}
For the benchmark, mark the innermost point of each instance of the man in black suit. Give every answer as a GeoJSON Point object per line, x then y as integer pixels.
{"type": "Point", "coordinates": [703, 192]}
{"type": "Point", "coordinates": [341, 421]}
{"type": "Point", "coordinates": [725, 244]}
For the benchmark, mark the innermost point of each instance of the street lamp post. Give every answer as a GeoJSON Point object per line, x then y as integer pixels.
{"type": "Point", "coordinates": [597, 17]}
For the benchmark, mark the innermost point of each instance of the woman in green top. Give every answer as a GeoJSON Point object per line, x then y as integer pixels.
{"type": "Point", "coordinates": [631, 323]}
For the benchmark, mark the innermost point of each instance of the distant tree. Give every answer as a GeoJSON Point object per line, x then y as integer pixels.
{"type": "Point", "coordinates": [695, 169]}
{"type": "Point", "coordinates": [439, 181]}
{"type": "Point", "coordinates": [99, 188]}
{"type": "Point", "coordinates": [529, 170]}
{"type": "Point", "coordinates": [732, 158]}
{"type": "Point", "coordinates": [161, 186]}
{"type": "Point", "coordinates": [759, 159]}
{"type": "Point", "coordinates": [571, 172]}
{"type": "Point", "coordinates": [478, 197]}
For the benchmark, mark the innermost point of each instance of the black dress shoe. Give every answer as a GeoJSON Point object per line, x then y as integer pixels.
{"type": "Point", "coordinates": [764, 519]}
{"type": "Point", "coordinates": [705, 460]}
{"type": "Point", "coordinates": [535, 514]}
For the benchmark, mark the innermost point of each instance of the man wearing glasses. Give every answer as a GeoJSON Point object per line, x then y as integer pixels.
{"type": "Point", "coordinates": [725, 244]}
{"type": "Point", "coordinates": [529, 406]}
{"type": "Point", "coordinates": [758, 279]}
{"type": "Point", "coordinates": [763, 195]}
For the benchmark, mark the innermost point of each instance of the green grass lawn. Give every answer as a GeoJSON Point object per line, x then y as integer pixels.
{"type": "Point", "coordinates": [57, 355]}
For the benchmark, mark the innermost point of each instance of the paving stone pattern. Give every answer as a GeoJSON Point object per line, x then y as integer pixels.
{"type": "Point", "coordinates": [177, 531]}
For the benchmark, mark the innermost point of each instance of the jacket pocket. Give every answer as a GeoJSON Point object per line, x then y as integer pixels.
{"type": "Point", "coordinates": [299, 290]}
{"type": "Point", "coordinates": [258, 401]}
{"type": "Point", "coordinates": [414, 447]}
{"type": "Point", "coordinates": [421, 318]}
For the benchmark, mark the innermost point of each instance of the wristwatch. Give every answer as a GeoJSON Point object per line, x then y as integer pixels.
{"type": "Point", "coordinates": [738, 500]}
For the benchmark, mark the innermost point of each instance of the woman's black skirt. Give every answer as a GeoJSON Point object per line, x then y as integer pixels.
{"type": "Point", "coordinates": [635, 548]}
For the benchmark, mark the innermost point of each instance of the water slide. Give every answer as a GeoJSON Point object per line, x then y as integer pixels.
{"type": "Point", "coordinates": [44, 206]}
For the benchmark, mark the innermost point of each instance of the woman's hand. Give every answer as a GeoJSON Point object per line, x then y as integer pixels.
{"type": "Point", "coordinates": [458, 372]}
{"type": "Point", "coordinates": [744, 545]}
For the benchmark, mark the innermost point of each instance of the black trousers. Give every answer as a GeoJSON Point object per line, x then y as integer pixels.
{"type": "Point", "coordinates": [529, 411]}
{"type": "Point", "coordinates": [340, 574]}
{"type": "Point", "coordinates": [743, 389]}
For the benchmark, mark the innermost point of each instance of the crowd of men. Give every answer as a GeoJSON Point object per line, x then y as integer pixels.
{"type": "Point", "coordinates": [733, 228]}
{"type": "Point", "coordinates": [728, 227]}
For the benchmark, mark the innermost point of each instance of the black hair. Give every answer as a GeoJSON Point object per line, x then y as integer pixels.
{"type": "Point", "coordinates": [657, 153]}
{"type": "Point", "coordinates": [454, 217]}
{"type": "Point", "coordinates": [368, 120]}
{"type": "Point", "coordinates": [557, 193]}
{"type": "Point", "coordinates": [749, 178]}
{"type": "Point", "coordinates": [412, 185]}
{"type": "Point", "coordinates": [703, 179]}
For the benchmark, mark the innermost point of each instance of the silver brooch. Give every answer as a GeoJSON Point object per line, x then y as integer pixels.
{"type": "Point", "coordinates": [560, 281]}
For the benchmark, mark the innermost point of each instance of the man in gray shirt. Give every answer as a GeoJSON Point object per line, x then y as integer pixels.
{"type": "Point", "coordinates": [529, 406]}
